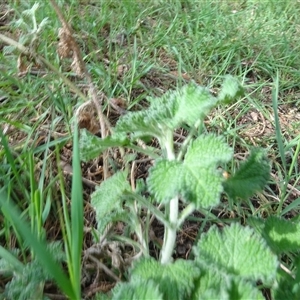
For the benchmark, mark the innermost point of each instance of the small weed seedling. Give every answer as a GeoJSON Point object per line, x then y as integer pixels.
{"type": "Point", "coordinates": [226, 264]}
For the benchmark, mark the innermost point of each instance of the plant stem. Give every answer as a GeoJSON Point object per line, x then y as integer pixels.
{"type": "Point", "coordinates": [185, 213]}
{"type": "Point", "coordinates": [156, 212]}
{"type": "Point", "coordinates": [188, 139]}
{"type": "Point", "coordinates": [170, 233]}
{"type": "Point", "coordinates": [171, 210]}
{"type": "Point", "coordinates": [138, 228]}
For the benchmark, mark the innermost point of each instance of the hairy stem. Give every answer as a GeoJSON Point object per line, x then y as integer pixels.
{"type": "Point", "coordinates": [157, 213]}
{"type": "Point", "coordinates": [185, 213]}
{"type": "Point", "coordinates": [188, 139]}
{"type": "Point", "coordinates": [171, 210]}
{"type": "Point", "coordinates": [170, 233]}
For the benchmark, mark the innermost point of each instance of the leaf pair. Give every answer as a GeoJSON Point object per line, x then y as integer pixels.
{"type": "Point", "coordinates": [196, 179]}
{"type": "Point", "coordinates": [227, 266]}
{"type": "Point", "coordinates": [188, 105]}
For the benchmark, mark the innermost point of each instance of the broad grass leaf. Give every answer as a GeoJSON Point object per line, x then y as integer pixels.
{"type": "Point", "coordinates": [238, 251]}
{"type": "Point", "coordinates": [43, 255]}
{"type": "Point", "coordinates": [175, 281]}
{"type": "Point", "coordinates": [77, 217]}
{"type": "Point", "coordinates": [107, 199]}
{"type": "Point", "coordinates": [252, 176]}
{"type": "Point", "coordinates": [281, 235]}
{"type": "Point", "coordinates": [295, 204]}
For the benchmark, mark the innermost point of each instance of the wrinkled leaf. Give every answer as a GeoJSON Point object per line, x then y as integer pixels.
{"type": "Point", "coordinates": [282, 235]}
{"type": "Point", "coordinates": [137, 290]}
{"type": "Point", "coordinates": [213, 284]}
{"type": "Point", "coordinates": [107, 199]}
{"type": "Point", "coordinates": [196, 179]}
{"type": "Point", "coordinates": [92, 146]}
{"type": "Point", "coordinates": [187, 105]}
{"type": "Point", "coordinates": [175, 281]}
{"type": "Point", "coordinates": [194, 103]}
{"type": "Point", "coordinates": [139, 124]}
{"type": "Point", "coordinates": [251, 177]}
{"type": "Point", "coordinates": [230, 90]}
{"type": "Point", "coordinates": [208, 150]}
{"type": "Point", "coordinates": [238, 251]}
{"type": "Point", "coordinates": [164, 180]}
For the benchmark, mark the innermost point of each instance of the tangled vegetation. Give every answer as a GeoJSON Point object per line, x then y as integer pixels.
{"type": "Point", "coordinates": [132, 166]}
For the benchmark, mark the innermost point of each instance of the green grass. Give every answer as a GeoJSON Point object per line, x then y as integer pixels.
{"type": "Point", "coordinates": [160, 44]}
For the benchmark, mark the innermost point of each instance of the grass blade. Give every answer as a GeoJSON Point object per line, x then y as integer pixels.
{"type": "Point", "coordinates": [76, 216]}
{"type": "Point", "coordinates": [39, 247]}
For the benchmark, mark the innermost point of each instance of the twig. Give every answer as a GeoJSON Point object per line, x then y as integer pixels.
{"type": "Point", "coordinates": [43, 61]}
{"type": "Point", "coordinates": [132, 181]}
{"type": "Point", "coordinates": [104, 268]}
{"type": "Point", "coordinates": [284, 268]}
{"type": "Point", "coordinates": [55, 296]}
{"type": "Point", "coordinates": [97, 102]}
{"type": "Point", "coordinates": [293, 190]}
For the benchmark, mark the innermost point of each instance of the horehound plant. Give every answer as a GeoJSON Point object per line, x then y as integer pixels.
{"type": "Point", "coordinates": [234, 264]}
{"type": "Point", "coordinates": [227, 265]}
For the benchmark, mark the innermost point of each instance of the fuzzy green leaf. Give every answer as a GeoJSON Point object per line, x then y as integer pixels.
{"type": "Point", "coordinates": [282, 235]}
{"type": "Point", "coordinates": [183, 106]}
{"type": "Point", "coordinates": [107, 199]}
{"type": "Point", "coordinates": [137, 290]}
{"type": "Point", "coordinates": [192, 103]}
{"type": "Point", "coordinates": [213, 284]}
{"type": "Point", "coordinates": [203, 187]}
{"type": "Point", "coordinates": [287, 286]}
{"type": "Point", "coordinates": [139, 124]}
{"type": "Point", "coordinates": [187, 105]}
{"type": "Point", "coordinates": [113, 217]}
{"type": "Point", "coordinates": [208, 150]}
{"type": "Point", "coordinates": [230, 90]}
{"type": "Point", "coordinates": [9, 262]}
{"type": "Point", "coordinates": [238, 251]}
{"type": "Point", "coordinates": [168, 112]}
{"type": "Point", "coordinates": [202, 182]}
{"type": "Point", "coordinates": [175, 281]}
{"type": "Point", "coordinates": [92, 146]}
{"type": "Point", "coordinates": [198, 185]}
{"type": "Point", "coordinates": [242, 289]}
{"type": "Point", "coordinates": [164, 180]}
{"type": "Point", "coordinates": [196, 179]}
{"type": "Point", "coordinates": [251, 177]}
{"type": "Point", "coordinates": [27, 285]}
